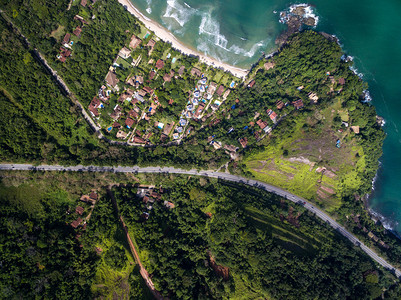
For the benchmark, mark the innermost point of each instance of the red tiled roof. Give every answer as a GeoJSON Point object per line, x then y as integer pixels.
{"type": "Point", "coordinates": [129, 122]}
{"type": "Point", "coordinates": [220, 90]}
{"type": "Point", "coordinates": [66, 38]}
{"type": "Point", "coordinates": [148, 90]}
{"type": "Point", "coordinates": [251, 84]}
{"type": "Point", "coordinates": [298, 104]}
{"type": "Point", "coordinates": [133, 114]}
{"type": "Point", "coordinates": [139, 140]}
{"type": "Point", "coordinates": [279, 104]}
{"type": "Point", "coordinates": [196, 72]}
{"type": "Point", "coordinates": [93, 195]}
{"type": "Point", "coordinates": [152, 75]}
{"type": "Point", "coordinates": [262, 124]}
{"type": "Point", "coordinates": [160, 64]}
{"type": "Point", "coordinates": [79, 210]}
{"type": "Point", "coordinates": [75, 223]}
{"type": "Point", "coordinates": [243, 141]}
{"type": "Point", "coordinates": [77, 31]}
{"type": "Point", "coordinates": [83, 3]}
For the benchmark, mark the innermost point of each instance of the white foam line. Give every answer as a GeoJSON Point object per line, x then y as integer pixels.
{"type": "Point", "coordinates": [167, 36]}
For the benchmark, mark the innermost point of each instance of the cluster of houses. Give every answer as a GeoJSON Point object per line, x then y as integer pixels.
{"type": "Point", "coordinates": [149, 195]}
{"type": "Point", "coordinates": [204, 96]}
{"type": "Point", "coordinates": [67, 43]}
{"type": "Point", "coordinates": [140, 95]}
{"type": "Point", "coordinates": [79, 210]}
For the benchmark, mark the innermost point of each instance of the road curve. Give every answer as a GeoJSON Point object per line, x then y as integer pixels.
{"type": "Point", "coordinates": [233, 178]}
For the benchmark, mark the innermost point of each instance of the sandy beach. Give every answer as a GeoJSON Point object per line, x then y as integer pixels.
{"type": "Point", "coordinates": [167, 36]}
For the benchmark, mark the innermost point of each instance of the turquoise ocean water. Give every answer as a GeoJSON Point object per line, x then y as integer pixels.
{"type": "Point", "coordinates": [238, 31]}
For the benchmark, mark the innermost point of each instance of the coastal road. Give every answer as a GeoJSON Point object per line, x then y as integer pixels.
{"type": "Point", "coordinates": [224, 176]}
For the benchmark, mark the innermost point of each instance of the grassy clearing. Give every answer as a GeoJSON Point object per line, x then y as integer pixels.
{"type": "Point", "coordinates": [292, 159]}
{"type": "Point", "coordinates": [58, 33]}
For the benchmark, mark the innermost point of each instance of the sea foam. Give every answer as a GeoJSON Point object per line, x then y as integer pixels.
{"type": "Point", "coordinates": [209, 33]}
{"type": "Point", "coordinates": [149, 9]}
{"type": "Point", "coordinates": [179, 13]}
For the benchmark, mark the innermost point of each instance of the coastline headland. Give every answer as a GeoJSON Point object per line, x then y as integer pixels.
{"type": "Point", "coordinates": [168, 37]}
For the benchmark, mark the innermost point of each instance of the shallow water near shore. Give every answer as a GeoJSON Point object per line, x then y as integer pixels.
{"type": "Point", "coordinates": [238, 31]}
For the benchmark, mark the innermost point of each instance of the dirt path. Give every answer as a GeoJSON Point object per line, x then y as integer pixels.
{"type": "Point", "coordinates": [142, 270]}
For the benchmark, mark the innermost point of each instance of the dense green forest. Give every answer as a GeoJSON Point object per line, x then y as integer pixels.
{"type": "Point", "coordinates": [42, 256]}
{"type": "Point", "coordinates": [223, 241]}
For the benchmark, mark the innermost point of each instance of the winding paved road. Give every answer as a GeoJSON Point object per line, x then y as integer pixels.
{"type": "Point", "coordinates": [233, 178]}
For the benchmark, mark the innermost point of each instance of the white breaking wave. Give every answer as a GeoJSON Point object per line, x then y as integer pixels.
{"type": "Point", "coordinates": [149, 9]}
{"type": "Point", "coordinates": [178, 12]}
{"type": "Point", "coordinates": [209, 33]}
{"type": "Point", "coordinates": [211, 27]}
{"type": "Point", "coordinates": [387, 223]}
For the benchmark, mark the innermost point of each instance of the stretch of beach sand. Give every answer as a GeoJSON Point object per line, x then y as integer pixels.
{"type": "Point", "coordinates": [167, 36]}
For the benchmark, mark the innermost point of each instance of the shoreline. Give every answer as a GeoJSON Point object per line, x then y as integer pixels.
{"type": "Point", "coordinates": [168, 37]}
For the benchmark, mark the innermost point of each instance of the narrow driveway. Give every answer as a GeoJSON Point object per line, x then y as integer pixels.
{"type": "Point", "coordinates": [233, 178]}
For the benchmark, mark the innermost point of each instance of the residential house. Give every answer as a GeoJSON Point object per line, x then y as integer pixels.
{"type": "Point", "coordinates": [116, 125]}
{"type": "Point", "coordinates": [135, 41]}
{"type": "Point", "coordinates": [124, 52]}
{"type": "Point", "coordinates": [272, 115]}
{"type": "Point", "coordinates": [79, 210]}
{"type": "Point", "coordinates": [230, 148]}
{"type": "Point", "coordinates": [169, 205]}
{"type": "Point", "coordinates": [298, 104]}
{"type": "Point", "coordinates": [167, 129]}
{"type": "Point", "coordinates": [152, 75]}
{"type": "Point", "coordinates": [243, 141]}
{"type": "Point", "coordinates": [138, 97]}
{"type": "Point", "coordinates": [313, 97]}
{"type": "Point", "coordinates": [83, 3]}
{"type": "Point", "coordinates": [220, 90]}
{"type": "Point", "coordinates": [212, 88]}
{"type": "Point", "coordinates": [279, 105]}
{"type": "Point", "coordinates": [216, 145]}
{"type": "Point", "coordinates": [181, 70]}
{"type": "Point", "coordinates": [262, 124]}
{"type": "Point", "coordinates": [133, 114]}
{"type": "Point", "coordinates": [159, 64]}
{"type": "Point", "coordinates": [66, 39]}
{"type": "Point", "coordinates": [79, 18]}
{"type": "Point", "coordinates": [251, 84]}
{"type": "Point", "coordinates": [196, 72]}
{"type": "Point", "coordinates": [121, 135]}
{"type": "Point", "coordinates": [267, 129]}
{"type": "Point", "coordinates": [64, 54]}
{"type": "Point", "coordinates": [151, 44]}
{"type": "Point", "coordinates": [129, 122]}
{"type": "Point", "coordinates": [168, 76]}
{"type": "Point", "coordinates": [115, 115]}
{"type": "Point", "coordinates": [77, 31]}
{"type": "Point", "coordinates": [139, 140]}
{"type": "Point", "coordinates": [199, 109]}
{"type": "Point", "coordinates": [94, 105]}
{"type": "Point", "coordinates": [111, 79]}
{"type": "Point", "coordinates": [76, 223]}
{"type": "Point", "coordinates": [226, 94]}
{"type": "Point", "coordinates": [148, 90]}
{"type": "Point", "coordinates": [93, 196]}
